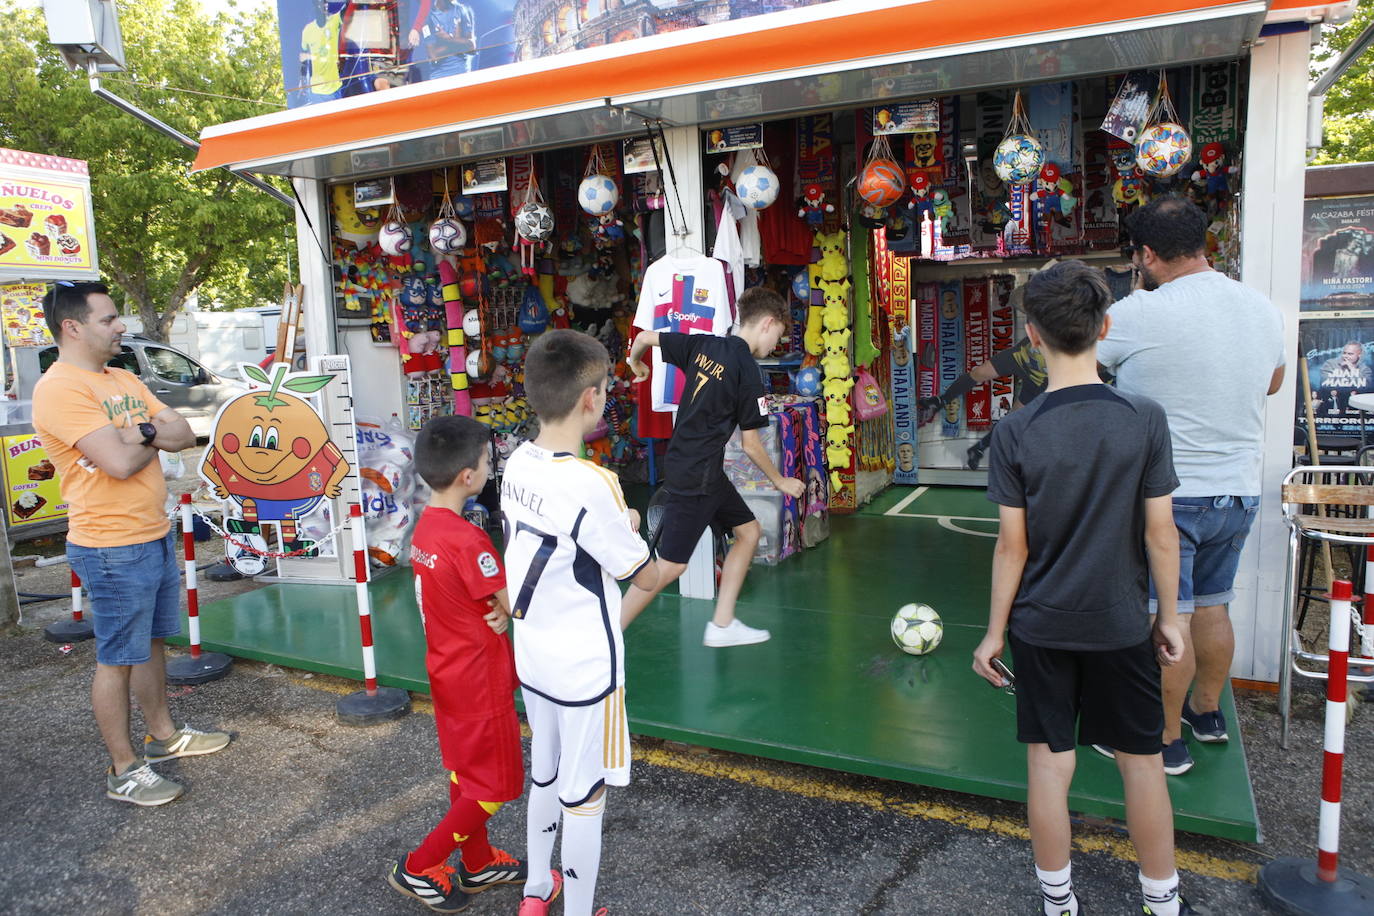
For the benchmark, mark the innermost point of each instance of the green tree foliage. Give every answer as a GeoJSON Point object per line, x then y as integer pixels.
{"type": "Point", "coordinates": [1349, 118]}
{"type": "Point", "coordinates": [162, 233]}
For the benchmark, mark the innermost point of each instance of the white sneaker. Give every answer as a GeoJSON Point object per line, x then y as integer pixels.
{"type": "Point", "coordinates": [733, 634]}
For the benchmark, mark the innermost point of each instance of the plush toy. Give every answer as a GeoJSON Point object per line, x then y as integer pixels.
{"type": "Point", "coordinates": [835, 362]}
{"type": "Point", "coordinates": [837, 388]}
{"type": "Point", "coordinates": [1054, 194]}
{"type": "Point", "coordinates": [833, 264]}
{"type": "Point", "coordinates": [837, 411]}
{"type": "Point", "coordinates": [1128, 188]}
{"type": "Point", "coordinates": [812, 338]}
{"type": "Point", "coordinates": [835, 313]}
{"type": "Point", "coordinates": [942, 209]}
{"type": "Point", "coordinates": [837, 452]}
{"type": "Point", "coordinates": [921, 200]}
{"type": "Point", "coordinates": [813, 207]}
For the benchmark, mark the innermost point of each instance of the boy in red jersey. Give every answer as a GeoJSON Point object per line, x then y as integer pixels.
{"type": "Point", "coordinates": [460, 588]}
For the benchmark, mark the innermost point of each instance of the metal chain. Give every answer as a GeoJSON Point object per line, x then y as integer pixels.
{"type": "Point", "coordinates": [269, 554]}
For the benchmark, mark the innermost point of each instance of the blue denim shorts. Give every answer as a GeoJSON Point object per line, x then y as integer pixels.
{"type": "Point", "coordinates": [135, 596]}
{"type": "Point", "coordinates": [1211, 534]}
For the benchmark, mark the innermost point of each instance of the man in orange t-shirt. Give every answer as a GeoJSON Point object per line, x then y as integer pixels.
{"type": "Point", "coordinates": [103, 428]}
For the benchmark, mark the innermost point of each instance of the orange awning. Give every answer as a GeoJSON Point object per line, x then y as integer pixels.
{"type": "Point", "coordinates": [831, 36]}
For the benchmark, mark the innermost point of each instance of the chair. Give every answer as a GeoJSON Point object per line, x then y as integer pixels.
{"type": "Point", "coordinates": [1304, 487]}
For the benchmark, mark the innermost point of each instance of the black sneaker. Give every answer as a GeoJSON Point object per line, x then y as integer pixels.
{"type": "Point", "coordinates": [974, 456]}
{"type": "Point", "coordinates": [1184, 909]}
{"type": "Point", "coordinates": [434, 887]}
{"type": "Point", "coordinates": [1040, 908]}
{"type": "Point", "coordinates": [504, 869]}
{"type": "Point", "coordinates": [1177, 760]}
{"type": "Point", "coordinates": [1208, 727]}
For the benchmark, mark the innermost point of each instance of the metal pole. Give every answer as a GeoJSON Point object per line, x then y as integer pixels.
{"type": "Point", "coordinates": [93, 72]}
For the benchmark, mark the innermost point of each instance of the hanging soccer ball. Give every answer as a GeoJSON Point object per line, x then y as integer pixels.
{"type": "Point", "coordinates": [881, 183]}
{"type": "Point", "coordinates": [1163, 149]}
{"type": "Point", "coordinates": [473, 364]}
{"type": "Point", "coordinates": [534, 221]}
{"type": "Point", "coordinates": [1018, 159]}
{"type": "Point", "coordinates": [394, 237]}
{"type": "Point", "coordinates": [472, 324]}
{"type": "Point", "coordinates": [917, 629]}
{"type": "Point", "coordinates": [597, 194]}
{"type": "Point", "coordinates": [464, 207]}
{"type": "Point", "coordinates": [447, 236]}
{"type": "Point", "coordinates": [801, 286]}
{"type": "Point", "coordinates": [757, 186]}
{"type": "Point", "coordinates": [808, 381]}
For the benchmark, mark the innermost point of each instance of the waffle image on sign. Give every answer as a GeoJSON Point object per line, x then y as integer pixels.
{"type": "Point", "coordinates": [6, 243]}
{"type": "Point", "coordinates": [43, 470]}
{"type": "Point", "coordinates": [19, 216]}
{"type": "Point", "coordinates": [28, 504]}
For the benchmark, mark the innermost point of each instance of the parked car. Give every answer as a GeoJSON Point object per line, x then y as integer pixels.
{"type": "Point", "coordinates": [175, 378]}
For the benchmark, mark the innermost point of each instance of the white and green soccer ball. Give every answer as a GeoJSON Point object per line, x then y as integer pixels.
{"type": "Point", "coordinates": [917, 629]}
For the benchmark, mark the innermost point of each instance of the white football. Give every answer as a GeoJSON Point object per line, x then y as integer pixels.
{"type": "Point", "coordinates": [757, 186]}
{"type": "Point", "coordinates": [598, 195]}
{"type": "Point", "coordinates": [917, 629]}
{"type": "Point", "coordinates": [394, 237]}
{"type": "Point", "coordinates": [472, 363]}
{"type": "Point", "coordinates": [534, 221]}
{"type": "Point", "coordinates": [472, 324]}
{"type": "Point", "coordinates": [447, 236]}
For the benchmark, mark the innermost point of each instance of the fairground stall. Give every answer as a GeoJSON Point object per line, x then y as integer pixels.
{"type": "Point", "coordinates": [471, 174]}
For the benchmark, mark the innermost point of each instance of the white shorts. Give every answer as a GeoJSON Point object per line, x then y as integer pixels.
{"type": "Point", "coordinates": [582, 748]}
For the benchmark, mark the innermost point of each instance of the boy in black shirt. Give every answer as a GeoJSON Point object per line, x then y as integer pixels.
{"type": "Point", "coordinates": [1082, 475]}
{"type": "Point", "coordinates": [723, 390]}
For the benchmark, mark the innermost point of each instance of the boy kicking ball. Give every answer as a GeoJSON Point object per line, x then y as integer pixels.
{"type": "Point", "coordinates": [461, 592]}
{"type": "Point", "coordinates": [1083, 475]}
{"type": "Point", "coordinates": [569, 539]}
{"type": "Point", "coordinates": [723, 390]}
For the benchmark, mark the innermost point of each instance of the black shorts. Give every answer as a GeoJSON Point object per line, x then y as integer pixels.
{"type": "Point", "coordinates": [685, 518]}
{"type": "Point", "coordinates": [1114, 697]}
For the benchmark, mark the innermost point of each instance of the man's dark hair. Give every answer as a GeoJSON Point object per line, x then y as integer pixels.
{"type": "Point", "coordinates": [446, 446]}
{"type": "Point", "coordinates": [559, 367]}
{"type": "Point", "coordinates": [69, 300]}
{"type": "Point", "coordinates": [1066, 303]}
{"type": "Point", "coordinates": [759, 302]}
{"type": "Point", "coordinates": [1174, 227]}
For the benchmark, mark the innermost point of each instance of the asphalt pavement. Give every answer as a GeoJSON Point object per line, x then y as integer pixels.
{"type": "Point", "coordinates": [303, 815]}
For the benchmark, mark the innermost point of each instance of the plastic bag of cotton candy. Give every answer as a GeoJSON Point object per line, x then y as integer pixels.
{"type": "Point", "coordinates": [386, 468]}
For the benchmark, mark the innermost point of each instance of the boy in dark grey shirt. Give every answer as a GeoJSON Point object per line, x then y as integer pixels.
{"type": "Point", "coordinates": [1082, 475]}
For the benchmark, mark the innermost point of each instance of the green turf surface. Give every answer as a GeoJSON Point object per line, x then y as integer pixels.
{"type": "Point", "coordinates": [829, 689]}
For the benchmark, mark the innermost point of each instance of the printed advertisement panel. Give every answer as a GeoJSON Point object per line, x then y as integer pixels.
{"type": "Point", "coordinates": [333, 49]}
{"type": "Point", "coordinates": [1340, 363]}
{"type": "Point", "coordinates": [32, 490]}
{"type": "Point", "coordinates": [46, 224]}
{"type": "Point", "coordinates": [1338, 253]}
{"type": "Point", "coordinates": [21, 310]}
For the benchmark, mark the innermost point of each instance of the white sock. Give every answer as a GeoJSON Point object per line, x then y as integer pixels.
{"type": "Point", "coordinates": [581, 856]}
{"type": "Point", "coordinates": [541, 828]}
{"type": "Point", "coordinates": [1056, 891]}
{"type": "Point", "coordinates": [1161, 894]}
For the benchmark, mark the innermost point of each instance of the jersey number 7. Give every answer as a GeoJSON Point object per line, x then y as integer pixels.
{"type": "Point", "coordinates": [547, 544]}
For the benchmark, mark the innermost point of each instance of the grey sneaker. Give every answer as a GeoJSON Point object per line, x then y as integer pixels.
{"type": "Point", "coordinates": [735, 633]}
{"type": "Point", "coordinates": [140, 785]}
{"type": "Point", "coordinates": [184, 742]}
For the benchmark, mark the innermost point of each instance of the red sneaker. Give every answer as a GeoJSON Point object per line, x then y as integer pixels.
{"type": "Point", "coordinates": [539, 906]}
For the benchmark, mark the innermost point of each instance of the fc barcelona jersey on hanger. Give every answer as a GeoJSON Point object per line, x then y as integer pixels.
{"type": "Point", "coordinates": [687, 296]}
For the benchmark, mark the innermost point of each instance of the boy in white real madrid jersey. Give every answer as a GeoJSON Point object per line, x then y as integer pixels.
{"type": "Point", "coordinates": [569, 538]}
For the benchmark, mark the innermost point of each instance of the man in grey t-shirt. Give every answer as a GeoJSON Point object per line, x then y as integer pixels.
{"type": "Point", "coordinates": [1209, 350]}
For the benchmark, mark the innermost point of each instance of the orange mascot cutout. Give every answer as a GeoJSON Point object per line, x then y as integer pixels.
{"type": "Point", "coordinates": [271, 452]}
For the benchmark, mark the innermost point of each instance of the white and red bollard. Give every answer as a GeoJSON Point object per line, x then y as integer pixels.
{"type": "Point", "coordinates": [1298, 885]}
{"type": "Point", "coordinates": [78, 627]}
{"type": "Point", "coordinates": [371, 705]}
{"type": "Point", "coordinates": [1367, 629]}
{"type": "Point", "coordinates": [198, 667]}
